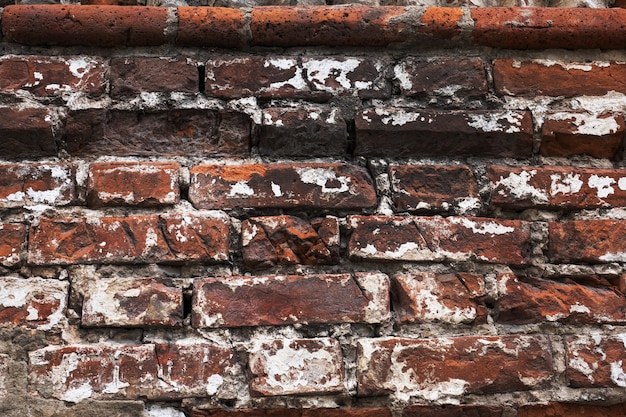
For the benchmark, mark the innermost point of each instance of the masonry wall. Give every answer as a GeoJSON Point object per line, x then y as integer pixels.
{"type": "Point", "coordinates": [333, 211]}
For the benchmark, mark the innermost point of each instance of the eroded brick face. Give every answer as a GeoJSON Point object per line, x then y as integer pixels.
{"type": "Point", "coordinates": [34, 303]}
{"type": "Point", "coordinates": [31, 184]}
{"type": "Point", "coordinates": [595, 361]}
{"type": "Point", "coordinates": [12, 241]}
{"type": "Point", "coordinates": [587, 241]}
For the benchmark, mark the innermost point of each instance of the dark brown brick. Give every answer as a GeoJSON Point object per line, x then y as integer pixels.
{"type": "Point", "coordinates": [132, 76]}
{"type": "Point", "coordinates": [12, 241]}
{"type": "Point", "coordinates": [572, 410]}
{"type": "Point", "coordinates": [452, 411]}
{"type": "Point", "coordinates": [592, 241]}
{"type": "Point", "coordinates": [27, 133]}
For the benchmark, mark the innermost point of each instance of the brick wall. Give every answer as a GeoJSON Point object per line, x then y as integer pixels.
{"type": "Point", "coordinates": [330, 211]}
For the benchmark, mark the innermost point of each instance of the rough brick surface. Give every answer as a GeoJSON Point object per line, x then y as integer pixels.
{"type": "Point", "coordinates": [296, 412]}
{"type": "Point", "coordinates": [12, 241]}
{"type": "Point", "coordinates": [591, 241]}
{"type": "Point", "coordinates": [162, 238]}
{"type": "Point", "coordinates": [383, 238]}
{"type": "Point", "coordinates": [452, 411]}
{"type": "Point", "coordinates": [337, 186]}
{"type": "Point", "coordinates": [279, 300]}
{"type": "Point", "coordinates": [595, 361]}
{"type": "Point", "coordinates": [30, 184]}
{"type": "Point", "coordinates": [133, 184]}
{"type": "Point", "coordinates": [132, 76]}
{"type": "Point", "coordinates": [210, 26]}
{"type": "Point", "coordinates": [27, 132]}
{"type": "Point", "coordinates": [296, 367]}
{"type": "Point", "coordinates": [34, 302]}
{"type": "Point", "coordinates": [432, 368]}
{"type": "Point", "coordinates": [401, 132]}
{"type": "Point", "coordinates": [572, 410]}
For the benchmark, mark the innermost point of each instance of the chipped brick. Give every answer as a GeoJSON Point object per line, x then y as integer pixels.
{"type": "Point", "coordinates": [30, 184]}
{"type": "Point", "coordinates": [27, 132]}
{"type": "Point", "coordinates": [12, 241]}
{"type": "Point", "coordinates": [595, 361]}
{"type": "Point", "coordinates": [34, 303]}
{"type": "Point", "coordinates": [133, 76]}
{"type": "Point", "coordinates": [592, 241]}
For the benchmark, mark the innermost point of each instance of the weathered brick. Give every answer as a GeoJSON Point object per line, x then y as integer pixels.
{"type": "Point", "coordinates": [592, 241]}
{"type": "Point", "coordinates": [441, 22]}
{"type": "Point", "coordinates": [432, 368]}
{"type": "Point", "coordinates": [383, 238]}
{"type": "Point", "coordinates": [165, 238]}
{"type": "Point", "coordinates": [49, 76]}
{"type": "Point", "coordinates": [552, 78]}
{"type": "Point", "coordinates": [296, 367]}
{"type": "Point", "coordinates": [556, 187]}
{"type": "Point", "coordinates": [27, 132]}
{"type": "Point", "coordinates": [401, 132]}
{"type": "Point", "coordinates": [127, 302]}
{"type": "Point", "coordinates": [210, 26]}
{"type": "Point", "coordinates": [595, 361]}
{"type": "Point", "coordinates": [447, 77]}
{"type": "Point", "coordinates": [295, 412]}
{"type": "Point", "coordinates": [34, 302]}
{"type": "Point", "coordinates": [287, 240]}
{"type": "Point", "coordinates": [571, 410]}
{"type": "Point", "coordinates": [311, 185]}
{"type": "Point", "coordinates": [452, 411]}
{"type": "Point", "coordinates": [302, 132]}
{"type": "Point", "coordinates": [433, 188]}
{"type": "Point", "coordinates": [425, 297]}
{"type": "Point", "coordinates": [133, 184]}
{"type": "Point", "coordinates": [132, 76]}
{"type": "Point", "coordinates": [277, 300]}
{"type": "Point", "coordinates": [170, 133]}
{"type": "Point", "coordinates": [535, 300]}
{"type": "Point", "coordinates": [567, 134]}
{"type": "Point", "coordinates": [30, 184]}
{"type": "Point", "coordinates": [12, 241]}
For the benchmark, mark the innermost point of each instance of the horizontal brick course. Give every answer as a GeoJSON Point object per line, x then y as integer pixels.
{"type": "Point", "coordinates": [210, 26]}
{"type": "Point", "coordinates": [452, 411]}
{"type": "Point", "coordinates": [295, 412]}
{"type": "Point", "coordinates": [133, 76]}
{"type": "Point", "coordinates": [34, 303]}
{"type": "Point", "coordinates": [572, 410]}
{"type": "Point", "coordinates": [28, 132]}
{"type": "Point", "coordinates": [30, 184]}
{"type": "Point", "coordinates": [595, 361]}
{"type": "Point", "coordinates": [592, 241]}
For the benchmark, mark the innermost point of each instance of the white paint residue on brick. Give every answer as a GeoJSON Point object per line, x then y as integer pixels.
{"type": "Point", "coordinates": [571, 65]}
{"type": "Point", "coordinates": [276, 190]}
{"type": "Point", "coordinates": [518, 185]}
{"type": "Point", "coordinates": [320, 70]}
{"type": "Point", "coordinates": [322, 176]}
{"type": "Point", "coordinates": [483, 227]}
{"type": "Point", "coordinates": [617, 374]}
{"type": "Point", "coordinates": [152, 239]}
{"type": "Point", "coordinates": [297, 81]}
{"type": "Point", "coordinates": [587, 124]}
{"type": "Point", "coordinates": [280, 63]}
{"type": "Point", "coordinates": [613, 257]}
{"type": "Point", "coordinates": [431, 309]}
{"type": "Point", "coordinates": [13, 296]}
{"type": "Point", "coordinates": [400, 117]}
{"type": "Point", "coordinates": [240, 188]}
{"type": "Point", "coordinates": [158, 411]}
{"type": "Point", "coordinates": [490, 122]}
{"type": "Point", "coordinates": [116, 385]}
{"type": "Point", "coordinates": [79, 66]}
{"type": "Point", "coordinates": [403, 76]}
{"type": "Point", "coordinates": [214, 383]}
{"type": "Point", "coordinates": [17, 196]}
{"type": "Point", "coordinates": [376, 287]}
{"type": "Point", "coordinates": [602, 184]}
{"type": "Point", "coordinates": [578, 308]}
{"type": "Point", "coordinates": [78, 394]}
{"type": "Point", "coordinates": [565, 184]}
{"type": "Point", "coordinates": [448, 90]}
{"type": "Point", "coordinates": [467, 204]}
{"type": "Point", "coordinates": [248, 234]}
{"type": "Point", "coordinates": [583, 367]}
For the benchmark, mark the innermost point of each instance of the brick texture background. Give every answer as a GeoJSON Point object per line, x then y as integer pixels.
{"type": "Point", "coordinates": [255, 209]}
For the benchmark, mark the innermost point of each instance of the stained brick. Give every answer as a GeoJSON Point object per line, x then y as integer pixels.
{"type": "Point", "coordinates": [278, 300]}
{"type": "Point", "coordinates": [133, 184]}
{"type": "Point", "coordinates": [296, 367]}
{"type": "Point", "coordinates": [34, 302]}
{"type": "Point", "coordinates": [162, 238]}
{"type": "Point", "coordinates": [27, 132]}
{"type": "Point", "coordinates": [432, 368]}
{"type": "Point", "coordinates": [132, 76]}
{"type": "Point", "coordinates": [12, 241]}
{"type": "Point", "coordinates": [595, 361]}
{"type": "Point", "coordinates": [313, 185]}
{"type": "Point", "coordinates": [127, 302]}
{"type": "Point", "coordinates": [382, 238]}
{"type": "Point", "coordinates": [452, 411]}
{"type": "Point", "coordinates": [592, 241]}
{"type": "Point", "coordinates": [295, 412]}
{"type": "Point", "coordinates": [401, 132]}
{"type": "Point", "coordinates": [210, 26]}
{"type": "Point", "coordinates": [572, 410]}
{"type": "Point", "coordinates": [30, 184]}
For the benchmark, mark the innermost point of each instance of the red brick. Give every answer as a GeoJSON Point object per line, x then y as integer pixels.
{"type": "Point", "coordinates": [211, 26]}
{"type": "Point", "coordinates": [162, 238]}
{"type": "Point", "coordinates": [567, 134]}
{"type": "Point", "coordinates": [400, 132]}
{"type": "Point", "coordinates": [296, 367]}
{"type": "Point", "coordinates": [12, 241]}
{"type": "Point", "coordinates": [425, 297]}
{"type": "Point", "coordinates": [30, 184]}
{"type": "Point", "coordinates": [132, 76]}
{"type": "Point", "coordinates": [34, 302]}
{"type": "Point", "coordinates": [452, 411]}
{"type": "Point", "coordinates": [289, 240]}
{"type": "Point", "coordinates": [279, 300]}
{"type": "Point", "coordinates": [169, 133]}
{"type": "Point", "coordinates": [27, 132]}
{"type": "Point", "coordinates": [433, 368]}
{"type": "Point", "coordinates": [592, 241]}
{"type": "Point", "coordinates": [595, 361]}
{"type": "Point", "coordinates": [294, 412]}
{"type": "Point", "coordinates": [571, 410]}
{"type": "Point", "coordinates": [133, 184]}
{"type": "Point", "coordinates": [106, 26]}
{"type": "Point", "coordinates": [312, 185]}
{"type": "Point", "coordinates": [557, 78]}
{"type": "Point", "coordinates": [127, 302]}
{"type": "Point", "coordinates": [465, 77]}
{"type": "Point", "coordinates": [535, 300]}
{"type": "Point", "coordinates": [50, 76]}
{"type": "Point", "coordinates": [442, 22]}
{"type": "Point", "coordinates": [382, 238]}
{"type": "Point", "coordinates": [433, 188]}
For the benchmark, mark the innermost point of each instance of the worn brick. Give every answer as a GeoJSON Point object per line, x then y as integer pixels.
{"type": "Point", "coordinates": [452, 411]}
{"type": "Point", "coordinates": [556, 187]}
{"type": "Point", "coordinates": [30, 184]}
{"type": "Point", "coordinates": [302, 132]}
{"type": "Point", "coordinates": [425, 297]}
{"type": "Point", "coordinates": [133, 76]}
{"type": "Point", "coordinates": [27, 132]}
{"type": "Point", "coordinates": [571, 410]}
{"type": "Point", "coordinates": [432, 368]}
{"type": "Point", "coordinates": [433, 188]}
{"type": "Point", "coordinates": [133, 184]}
{"type": "Point", "coordinates": [127, 302]}
{"type": "Point", "coordinates": [165, 238]}
{"type": "Point", "coordinates": [210, 26]}
{"type": "Point", "coordinates": [552, 78]}
{"type": "Point", "coordinates": [446, 77]}
{"type": "Point", "coordinates": [567, 134]}
{"type": "Point", "coordinates": [295, 412]}
{"type": "Point", "coordinates": [287, 240]}
{"type": "Point", "coordinates": [591, 241]}
{"type": "Point", "coordinates": [595, 361]}
{"type": "Point", "coordinates": [401, 132]}
{"type": "Point", "coordinates": [34, 302]}
{"type": "Point", "coordinates": [278, 300]}
{"type": "Point", "coordinates": [303, 185]}
{"type": "Point", "coordinates": [49, 76]}
{"type": "Point", "coordinates": [442, 22]}
{"type": "Point", "coordinates": [383, 238]}
{"type": "Point", "coordinates": [296, 367]}
{"type": "Point", "coordinates": [12, 241]}
{"type": "Point", "coordinates": [169, 133]}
